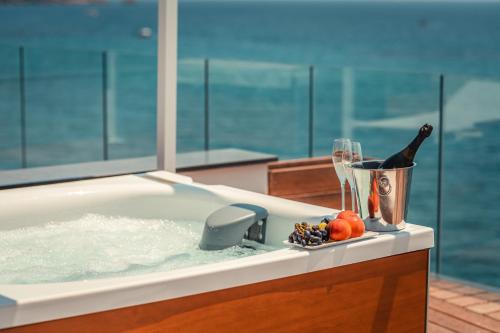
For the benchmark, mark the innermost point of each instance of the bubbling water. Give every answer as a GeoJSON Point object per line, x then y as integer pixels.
{"type": "Point", "coordinates": [97, 246]}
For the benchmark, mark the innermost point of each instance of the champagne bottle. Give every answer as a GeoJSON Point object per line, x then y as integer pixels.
{"type": "Point", "coordinates": [405, 157]}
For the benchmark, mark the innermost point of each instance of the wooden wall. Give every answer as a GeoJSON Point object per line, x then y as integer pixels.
{"type": "Point", "coordinates": [311, 180]}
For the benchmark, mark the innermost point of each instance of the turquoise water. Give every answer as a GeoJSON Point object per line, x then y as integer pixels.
{"type": "Point", "coordinates": [99, 246]}
{"type": "Point", "coordinates": [372, 61]}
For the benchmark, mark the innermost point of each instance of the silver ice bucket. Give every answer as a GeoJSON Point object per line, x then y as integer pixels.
{"type": "Point", "coordinates": [382, 195]}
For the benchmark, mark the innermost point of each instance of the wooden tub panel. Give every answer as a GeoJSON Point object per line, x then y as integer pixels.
{"type": "Point", "coordinates": [382, 295]}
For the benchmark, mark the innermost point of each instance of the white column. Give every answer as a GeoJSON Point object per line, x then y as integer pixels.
{"type": "Point", "coordinates": [167, 84]}
{"type": "Point", "coordinates": [347, 101]}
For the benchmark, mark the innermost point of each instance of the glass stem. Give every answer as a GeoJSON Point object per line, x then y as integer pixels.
{"type": "Point", "coordinates": [342, 186]}
{"type": "Point", "coordinates": [353, 198]}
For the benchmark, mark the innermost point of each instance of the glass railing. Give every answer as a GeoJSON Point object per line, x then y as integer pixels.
{"type": "Point", "coordinates": [131, 105]}
{"type": "Point", "coordinates": [192, 115]}
{"type": "Point", "coordinates": [259, 106]}
{"type": "Point", "coordinates": [11, 142]}
{"type": "Point", "coordinates": [68, 106]}
{"type": "Point", "coordinates": [470, 239]}
{"type": "Point", "coordinates": [63, 106]}
{"type": "Point", "coordinates": [62, 97]}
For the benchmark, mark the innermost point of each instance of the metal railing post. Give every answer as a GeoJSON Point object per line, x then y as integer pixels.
{"type": "Point", "coordinates": [311, 111]}
{"type": "Point", "coordinates": [104, 58]}
{"type": "Point", "coordinates": [207, 105]}
{"type": "Point", "coordinates": [440, 175]}
{"type": "Point", "coordinates": [22, 106]}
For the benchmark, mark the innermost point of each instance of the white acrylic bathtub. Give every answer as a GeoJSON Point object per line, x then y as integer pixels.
{"type": "Point", "coordinates": [169, 196]}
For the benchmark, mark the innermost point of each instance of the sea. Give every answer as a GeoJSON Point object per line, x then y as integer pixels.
{"type": "Point", "coordinates": [373, 71]}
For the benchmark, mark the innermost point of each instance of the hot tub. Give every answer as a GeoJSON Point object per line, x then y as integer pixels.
{"type": "Point", "coordinates": [270, 289]}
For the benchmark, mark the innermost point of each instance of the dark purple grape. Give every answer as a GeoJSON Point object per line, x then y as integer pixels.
{"type": "Point", "coordinates": [307, 234]}
{"type": "Point", "coordinates": [290, 238]}
{"type": "Point", "coordinates": [315, 227]}
{"type": "Point", "coordinates": [304, 243]}
{"type": "Point", "coordinates": [315, 239]}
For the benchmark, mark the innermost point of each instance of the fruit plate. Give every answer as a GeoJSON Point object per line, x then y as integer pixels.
{"type": "Point", "coordinates": [366, 235]}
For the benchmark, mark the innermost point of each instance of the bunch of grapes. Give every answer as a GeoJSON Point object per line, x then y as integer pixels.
{"type": "Point", "coordinates": [308, 234]}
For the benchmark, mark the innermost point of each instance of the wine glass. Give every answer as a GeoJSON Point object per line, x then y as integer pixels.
{"type": "Point", "coordinates": [346, 160]}
{"type": "Point", "coordinates": [357, 154]}
{"type": "Point", "coordinates": [354, 155]}
{"type": "Point", "coordinates": [339, 145]}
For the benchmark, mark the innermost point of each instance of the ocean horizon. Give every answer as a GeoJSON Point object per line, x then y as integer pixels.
{"type": "Point", "coordinates": [377, 69]}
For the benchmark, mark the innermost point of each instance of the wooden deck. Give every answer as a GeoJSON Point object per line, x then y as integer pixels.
{"type": "Point", "coordinates": [456, 307]}
{"type": "Point", "coordinates": [453, 307]}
